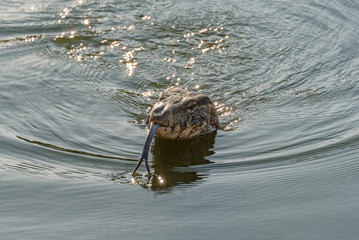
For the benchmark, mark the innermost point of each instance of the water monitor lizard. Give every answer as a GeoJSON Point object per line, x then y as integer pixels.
{"type": "Point", "coordinates": [179, 114]}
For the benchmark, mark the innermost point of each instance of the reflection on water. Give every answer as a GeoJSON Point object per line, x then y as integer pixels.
{"type": "Point", "coordinates": [169, 155]}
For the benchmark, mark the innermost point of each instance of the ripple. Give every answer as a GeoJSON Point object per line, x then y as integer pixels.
{"type": "Point", "coordinates": [282, 76]}
{"type": "Point", "coordinates": [35, 158]}
{"type": "Point", "coordinates": [77, 81]}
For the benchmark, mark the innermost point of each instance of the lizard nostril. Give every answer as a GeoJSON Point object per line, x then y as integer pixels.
{"type": "Point", "coordinates": [158, 110]}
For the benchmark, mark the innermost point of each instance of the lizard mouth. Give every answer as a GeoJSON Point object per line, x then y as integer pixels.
{"type": "Point", "coordinates": [160, 122]}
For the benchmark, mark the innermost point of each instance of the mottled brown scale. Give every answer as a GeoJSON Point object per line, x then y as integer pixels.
{"type": "Point", "coordinates": [182, 114]}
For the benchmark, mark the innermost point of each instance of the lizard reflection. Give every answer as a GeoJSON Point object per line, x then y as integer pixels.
{"type": "Point", "coordinates": [171, 154]}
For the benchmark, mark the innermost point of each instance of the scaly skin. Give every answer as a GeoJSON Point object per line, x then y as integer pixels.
{"type": "Point", "coordinates": [182, 114]}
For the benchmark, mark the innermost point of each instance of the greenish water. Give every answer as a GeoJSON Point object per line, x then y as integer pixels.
{"type": "Point", "coordinates": [78, 78]}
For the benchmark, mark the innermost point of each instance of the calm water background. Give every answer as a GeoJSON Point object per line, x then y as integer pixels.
{"type": "Point", "coordinates": [77, 79]}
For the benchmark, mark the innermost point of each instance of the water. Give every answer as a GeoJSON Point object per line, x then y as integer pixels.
{"type": "Point", "coordinates": [78, 78]}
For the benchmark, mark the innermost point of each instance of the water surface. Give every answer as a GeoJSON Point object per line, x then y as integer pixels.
{"type": "Point", "coordinates": [78, 78]}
